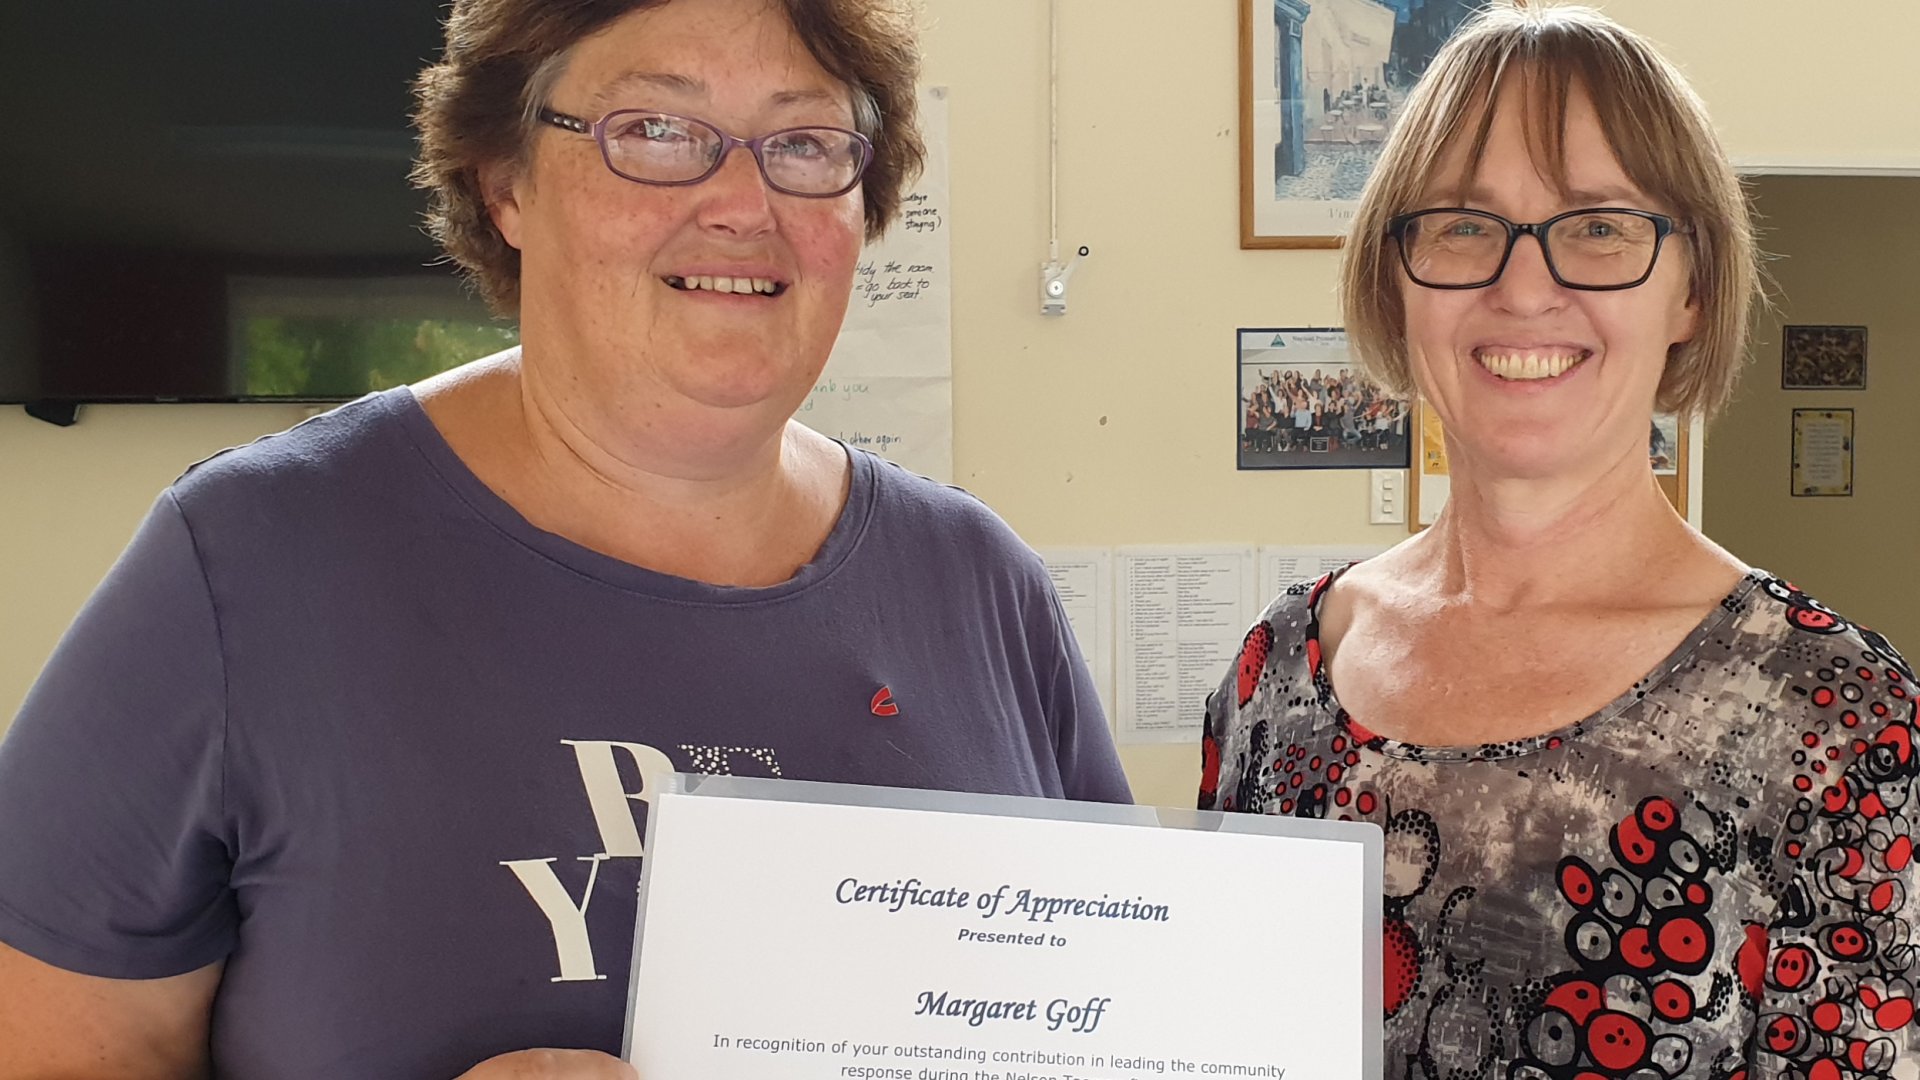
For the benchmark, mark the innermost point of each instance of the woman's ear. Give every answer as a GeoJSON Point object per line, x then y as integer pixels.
{"type": "Point", "coordinates": [500, 186]}
{"type": "Point", "coordinates": [1687, 322]}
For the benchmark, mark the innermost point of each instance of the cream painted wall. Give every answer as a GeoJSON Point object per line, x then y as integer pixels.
{"type": "Point", "coordinates": [1848, 253]}
{"type": "Point", "coordinates": [1113, 424]}
{"type": "Point", "coordinates": [1795, 85]}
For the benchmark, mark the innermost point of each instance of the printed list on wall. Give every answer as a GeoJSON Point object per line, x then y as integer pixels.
{"type": "Point", "coordinates": [888, 387]}
{"type": "Point", "coordinates": [1160, 627]}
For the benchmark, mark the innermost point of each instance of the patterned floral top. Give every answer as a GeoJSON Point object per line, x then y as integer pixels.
{"type": "Point", "coordinates": [1711, 877]}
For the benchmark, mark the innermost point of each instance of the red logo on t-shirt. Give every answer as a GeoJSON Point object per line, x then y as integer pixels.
{"type": "Point", "coordinates": [883, 703]}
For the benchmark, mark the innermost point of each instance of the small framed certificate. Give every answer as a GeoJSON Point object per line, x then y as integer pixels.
{"type": "Point", "coordinates": [1822, 452]}
{"type": "Point", "coordinates": [795, 930]}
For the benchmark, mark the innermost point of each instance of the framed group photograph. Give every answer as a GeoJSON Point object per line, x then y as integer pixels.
{"type": "Point", "coordinates": [1303, 404]}
{"type": "Point", "coordinates": [1823, 358]}
{"type": "Point", "coordinates": [1321, 84]}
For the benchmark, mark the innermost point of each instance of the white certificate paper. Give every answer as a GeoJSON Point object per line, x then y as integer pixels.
{"type": "Point", "coordinates": [817, 931]}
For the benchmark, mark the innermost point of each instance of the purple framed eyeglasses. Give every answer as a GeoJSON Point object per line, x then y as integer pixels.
{"type": "Point", "coordinates": [661, 148]}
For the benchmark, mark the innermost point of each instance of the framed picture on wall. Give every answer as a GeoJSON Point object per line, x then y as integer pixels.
{"type": "Point", "coordinates": [1669, 442]}
{"type": "Point", "coordinates": [1304, 405]}
{"type": "Point", "coordinates": [1823, 358]}
{"type": "Point", "coordinates": [1822, 452]}
{"type": "Point", "coordinates": [1321, 84]}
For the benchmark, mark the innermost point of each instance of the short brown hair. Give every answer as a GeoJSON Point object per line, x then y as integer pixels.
{"type": "Point", "coordinates": [476, 107]}
{"type": "Point", "coordinates": [1655, 124]}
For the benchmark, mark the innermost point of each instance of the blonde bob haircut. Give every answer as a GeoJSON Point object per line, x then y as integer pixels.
{"type": "Point", "coordinates": [1657, 128]}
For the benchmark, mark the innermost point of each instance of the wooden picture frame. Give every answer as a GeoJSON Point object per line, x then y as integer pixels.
{"type": "Point", "coordinates": [1428, 477]}
{"type": "Point", "coordinates": [1320, 90]}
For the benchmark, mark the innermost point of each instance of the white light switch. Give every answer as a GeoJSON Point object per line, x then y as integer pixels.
{"type": "Point", "coordinates": [1386, 497]}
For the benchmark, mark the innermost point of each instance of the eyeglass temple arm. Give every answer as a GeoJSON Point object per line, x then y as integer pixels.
{"type": "Point", "coordinates": [562, 120]}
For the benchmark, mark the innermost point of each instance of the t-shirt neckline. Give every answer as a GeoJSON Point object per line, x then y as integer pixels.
{"type": "Point", "coordinates": [469, 489]}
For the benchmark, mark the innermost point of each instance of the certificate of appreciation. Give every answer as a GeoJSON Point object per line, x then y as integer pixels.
{"type": "Point", "coordinates": [798, 931]}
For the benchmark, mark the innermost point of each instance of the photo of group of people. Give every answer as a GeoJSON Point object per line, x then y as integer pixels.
{"type": "Point", "coordinates": [1303, 405]}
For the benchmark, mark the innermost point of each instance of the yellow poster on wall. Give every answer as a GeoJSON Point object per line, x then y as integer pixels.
{"type": "Point", "coordinates": [1433, 444]}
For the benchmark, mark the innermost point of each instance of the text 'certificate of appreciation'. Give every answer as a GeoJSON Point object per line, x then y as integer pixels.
{"type": "Point", "coordinates": [795, 931]}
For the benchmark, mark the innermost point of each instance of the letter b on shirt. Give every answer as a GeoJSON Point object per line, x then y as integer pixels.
{"type": "Point", "coordinates": [609, 798]}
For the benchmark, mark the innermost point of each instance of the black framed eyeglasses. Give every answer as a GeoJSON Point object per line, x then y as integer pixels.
{"type": "Point", "coordinates": [661, 148]}
{"type": "Point", "coordinates": [1600, 249]}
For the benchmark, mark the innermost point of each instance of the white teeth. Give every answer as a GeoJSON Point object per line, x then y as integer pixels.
{"type": "Point", "coordinates": [731, 285]}
{"type": "Point", "coordinates": [1526, 367]}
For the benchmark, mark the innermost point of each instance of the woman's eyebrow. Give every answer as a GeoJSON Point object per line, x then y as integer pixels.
{"type": "Point", "coordinates": [806, 97]}
{"type": "Point", "coordinates": [658, 80]}
{"type": "Point", "coordinates": [688, 86]}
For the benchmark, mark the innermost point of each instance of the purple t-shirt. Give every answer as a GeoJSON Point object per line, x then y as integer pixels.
{"type": "Point", "coordinates": [342, 718]}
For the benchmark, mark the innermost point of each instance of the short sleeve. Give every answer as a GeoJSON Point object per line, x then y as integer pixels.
{"type": "Point", "coordinates": [114, 854]}
{"type": "Point", "coordinates": [1083, 742]}
{"type": "Point", "coordinates": [1837, 972]}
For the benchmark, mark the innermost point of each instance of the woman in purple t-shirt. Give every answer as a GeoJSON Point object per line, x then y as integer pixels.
{"type": "Point", "coordinates": [343, 771]}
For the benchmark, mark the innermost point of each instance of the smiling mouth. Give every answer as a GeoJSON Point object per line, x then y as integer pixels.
{"type": "Point", "coordinates": [734, 285]}
{"type": "Point", "coordinates": [1530, 366]}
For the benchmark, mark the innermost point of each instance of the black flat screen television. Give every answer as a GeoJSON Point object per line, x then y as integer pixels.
{"type": "Point", "coordinates": [207, 200]}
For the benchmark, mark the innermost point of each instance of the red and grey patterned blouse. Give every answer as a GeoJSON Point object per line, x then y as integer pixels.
{"type": "Point", "coordinates": [1711, 877]}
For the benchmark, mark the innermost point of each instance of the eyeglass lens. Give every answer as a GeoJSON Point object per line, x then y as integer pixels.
{"type": "Point", "coordinates": [661, 148]}
{"type": "Point", "coordinates": [1596, 249]}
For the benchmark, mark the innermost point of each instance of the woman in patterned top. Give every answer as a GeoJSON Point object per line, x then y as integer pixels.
{"type": "Point", "coordinates": [1649, 812]}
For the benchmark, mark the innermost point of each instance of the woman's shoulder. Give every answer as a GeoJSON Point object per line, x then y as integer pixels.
{"type": "Point", "coordinates": [331, 441]}
{"type": "Point", "coordinates": [939, 524]}
{"type": "Point", "coordinates": [299, 477]}
{"type": "Point", "coordinates": [1798, 636]}
{"type": "Point", "coordinates": [1297, 603]}
{"type": "Point", "coordinates": [912, 501]}
{"type": "Point", "coordinates": [1778, 677]}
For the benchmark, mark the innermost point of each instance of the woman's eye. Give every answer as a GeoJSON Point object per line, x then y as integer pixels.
{"type": "Point", "coordinates": [654, 130]}
{"type": "Point", "coordinates": [799, 146]}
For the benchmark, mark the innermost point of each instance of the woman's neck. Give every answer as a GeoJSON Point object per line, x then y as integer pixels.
{"type": "Point", "coordinates": [1508, 543]}
{"type": "Point", "coordinates": [644, 485]}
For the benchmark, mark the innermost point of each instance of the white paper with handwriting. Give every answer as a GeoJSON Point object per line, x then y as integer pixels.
{"type": "Point", "coordinates": [888, 387]}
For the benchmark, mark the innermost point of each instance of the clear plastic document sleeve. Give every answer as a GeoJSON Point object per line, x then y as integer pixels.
{"type": "Point", "coordinates": [801, 931]}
